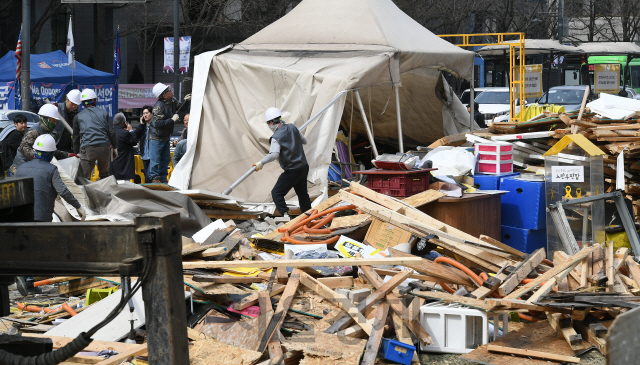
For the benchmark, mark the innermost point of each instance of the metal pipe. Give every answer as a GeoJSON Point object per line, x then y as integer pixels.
{"type": "Point", "coordinates": [400, 144]}
{"type": "Point", "coordinates": [228, 190]}
{"type": "Point", "coordinates": [366, 124]}
{"type": "Point", "coordinates": [472, 102]}
{"type": "Point", "coordinates": [176, 48]}
{"type": "Point", "coordinates": [64, 121]}
{"type": "Point", "coordinates": [26, 55]}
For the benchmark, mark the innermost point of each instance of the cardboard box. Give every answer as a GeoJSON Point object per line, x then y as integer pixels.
{"type": "Point", "coordinates": [525, 240]}
{"type": "Point", "coordinates": [382, 235]}
{"type": "Point", "coordinates": [524, 204]}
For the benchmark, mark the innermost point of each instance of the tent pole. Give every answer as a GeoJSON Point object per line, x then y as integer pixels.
{"type": "Point", "coordinates": [176, 48]}
{"type": "Point", "coordinates": [472, 102]}
{"type": "Point", "coordinates": [26, 55]}
{"type": "Point", "coordinates": [366, 124]}
{"type": "Point", "coordinates": [400, 144]}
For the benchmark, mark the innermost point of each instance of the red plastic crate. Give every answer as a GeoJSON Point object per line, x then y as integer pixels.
{"type": "Point", "coordinates": [397, 183]}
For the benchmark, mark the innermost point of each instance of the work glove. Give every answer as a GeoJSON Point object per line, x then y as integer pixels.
{"type": "Point", "coordinates": [115, 153]}
{"type": "Point", "coordinates": [258, 165]}
{"type": "Point", "coordinates": [175, 117]}
{"type": "Point", "coordinates": [187, 97]}
{"type": "Point", "coordinates": [81, 213]}
{"type": "Point", "coordinates": [73, 155]}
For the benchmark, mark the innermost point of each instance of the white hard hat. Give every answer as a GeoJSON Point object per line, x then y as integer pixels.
{"type": "Point", "coordinates": [74, 96]}
{"type": "Point", "coordinates": [49, 110]}
{"type": "Point", "coordinates": [272, 113]}
{"type": "Point", "coordinates": [44, 143]}
{"type": "Point", "coordinates": [158, 89]}
{"type": "Point", "coordinates": [88, 94]}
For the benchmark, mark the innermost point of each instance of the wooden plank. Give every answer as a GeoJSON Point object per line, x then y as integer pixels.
{"type": "Point", "coordinates": [488, 287]}
{"type": "Point", "coordinates": [117, 359]}
{"type": "Point", "coordinates": [430, 268]}
{"type": "Point", "coordinates": [484, 259]}
{"type": "Point", "coordinates": [552, 282]}
{"type": "Point", "coordinates": [521, 272]}
{"type": "Point", "coordinates": [338, 299]}
{"type": "Point", "coordinates": [83, 359]}
{"type": "Point", "coordinates": [349, 221]}
{"type": "Point", "coordinates": [521, 304]}
{"type": "Point", "coordinates": [501, 245]}
{"type": "Point", "coordinates": [531, 353]}
{"type": "Point", "coordinates": [252, 299]}
{"type": "Point", "coordinates": [634, 270]}
{"type": "Point", "coordinates": [551, 273]}
{"type": "Point", "coordinates": [281, 309]}
{"type": "Point", "coordinates": [564, 328]}
{"type": "Point", "coordinates": [402, 332]}
{"type": "Point", "coordinates": [373, 345]}
{"type": "Point", "coordinates": [221, 279]}
{"type": "Point", "coordinates": [618, 126]}
{"type": "Point", "coordinates": [337, 282]}
{"type": "Point", "coordinates": [480, 304]}
{"type": "Point", "coordinates": [370, 300]}
{"type": "Point", "coordinates": [405, 261]}
{"type": "Point", "coordinates": [424, 198]}
{"type": "Point", "coordinates": [587, 90]}
{"type": "Point", "coordinates": [211, 252]}
{"type": "Point", "coordinates": [397, 306]}
{"type": "Point", "coordinates": [82, 285]}
{"type": "Point", "coordinates": [610, 271]}
{"type": "Point", "coordinates": [246, 333]}
{"type": "Point", "coordinates": [433, 279]}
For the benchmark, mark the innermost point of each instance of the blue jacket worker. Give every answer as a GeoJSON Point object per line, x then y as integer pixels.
{"type": "Point", "coordinates": [47, 183]}
{"type": "Point", "coordinates": [286, 147]}
{"type": "Point", "coordinates": [94, 136]}
{"type": "Point", "coordinates": [160, 130]}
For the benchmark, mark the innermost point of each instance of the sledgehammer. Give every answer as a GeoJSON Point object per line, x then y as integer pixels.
{"type": "Point", "coordinates": [305, 125]}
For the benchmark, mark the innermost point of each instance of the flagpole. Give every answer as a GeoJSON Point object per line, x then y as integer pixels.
{"type": "Point", "coordinates": [74, 55]}
{"type": "Point", "coordinates": [26, 55]}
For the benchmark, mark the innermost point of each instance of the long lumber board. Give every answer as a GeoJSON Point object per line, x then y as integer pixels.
{"type": "Point", "coordinates": [430, 268]}
{"type": "Point", "coordinates": [553, 272]}
{"type": "Point", "coordinates": [405, 261]}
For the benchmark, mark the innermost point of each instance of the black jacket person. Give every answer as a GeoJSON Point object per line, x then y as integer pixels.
{"type": "Point", "coordinates": [286, 147]}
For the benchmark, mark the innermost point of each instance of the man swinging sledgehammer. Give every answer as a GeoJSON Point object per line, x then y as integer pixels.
{"type": "Point", "coordinates": [286, 147]}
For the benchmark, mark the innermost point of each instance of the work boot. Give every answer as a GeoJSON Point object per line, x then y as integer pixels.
{"type": "Point", "coordinates": [26, 287]}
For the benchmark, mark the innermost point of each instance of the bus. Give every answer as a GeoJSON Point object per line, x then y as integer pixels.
{"type": "Point", "coordinates": [633, 78]}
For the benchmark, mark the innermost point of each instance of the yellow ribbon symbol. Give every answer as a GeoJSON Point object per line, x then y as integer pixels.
{"type": "Point", "coordinates": [597, 189]}
{"type": "Point", "coordinates": [568, 190]}
{"type": "Point", "coordinates": [578, 193]}
{"type": "Point", "coordinates": [552, 193]}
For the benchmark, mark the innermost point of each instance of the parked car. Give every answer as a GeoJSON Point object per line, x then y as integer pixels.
{"type": "Point", "coordinates": [494, 101]}
{"type": "Point", "coordinates": [6, 118]}
{"type": "Point", "coordinates": [466, 95]}
{"type": "Point", "coordinates": [571, 96]}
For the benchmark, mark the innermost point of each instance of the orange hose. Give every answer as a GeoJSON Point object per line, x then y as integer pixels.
{"type": "Point", "coordinates": [316, 231]}
{"type": "Point", "coordinates": [459, 266]}
{"type": "Point", "coordinates": [41, 282]}
{"type": "Point", "coordinates": [28, 308]}
{"type": "Point", "coordinates": [69, 310]}
{"type": "Point", "coordinates": [548, 262]}
{"type": "Point", "coordinates": [324, 221]}
{"type": "Point", "coordinates": [300, 242]}
{"type": "Point", "coordinates": [527, 317]}
{"type": "Point", "coordinates": [484, 276]}
{"type": "Point", "coordinates": [299, 224]}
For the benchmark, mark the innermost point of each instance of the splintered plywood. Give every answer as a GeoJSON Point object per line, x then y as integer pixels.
{"type": "Point", "coordinates": [212, 288]}
{"type": "Point", "coordinates": [321, 348]}
{"type": "Point", "coordinates": [349, 221]}
{"type": "Point", "coordinates": [212, 352]}
{"type": "Point", "coordinates": [382, 235]}
{"type": "Point", "coordinates": [535, 336]}
{"type": "Point", "coordinates": [245, 333]}
{"type": "Point", "coordinates": [423, 198]}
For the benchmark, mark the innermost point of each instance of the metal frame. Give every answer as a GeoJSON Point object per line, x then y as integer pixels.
{"type": "Point", "coordinates": [564, 231]}
{"type": "Point", "coordinates": [93, 248]}
{"type": "Point", "coordinates": [513, 82]}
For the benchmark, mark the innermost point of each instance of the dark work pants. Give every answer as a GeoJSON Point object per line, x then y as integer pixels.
{"type": "Point", "coordinates": [296, 179]}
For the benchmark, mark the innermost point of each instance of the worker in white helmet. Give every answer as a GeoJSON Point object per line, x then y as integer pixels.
{"type": "Point", "coordinates": [160, 129]}
{"type": "Point", "coordinates": [68, 110]}
{"type": "Point", "coordinates": [47, 184]}
{"type": "Point", "coordinates": [49, 117]}
{"type": "Point", "coordinates": [94, 136]}
{"type": "Point", "coordinates": [286, 147]}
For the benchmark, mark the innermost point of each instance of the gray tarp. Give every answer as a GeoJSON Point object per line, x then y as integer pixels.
{"type": "Point", "coordinates": [300, 63]}
{"type": "Point", "coordinates": [531, 46]}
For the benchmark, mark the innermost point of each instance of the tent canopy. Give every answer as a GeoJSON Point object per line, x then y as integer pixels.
{"type": "Point", "coordinates": [531, 46]}
{"type": "Point", "coordinates": [52, 67]}
{"type": "Point", "coordinates": [299, 64]}
{"type": "Point", "coordinates": [610, 48]}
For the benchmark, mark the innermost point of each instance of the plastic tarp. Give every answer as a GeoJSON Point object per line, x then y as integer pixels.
{"type": "Point", "coordinates": [299, 64]}
{"type": "Point", "coordinates": [610, 48]}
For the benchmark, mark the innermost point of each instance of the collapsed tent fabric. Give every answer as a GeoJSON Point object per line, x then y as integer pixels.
{"type": "Point", "coordinates": [299, 64]}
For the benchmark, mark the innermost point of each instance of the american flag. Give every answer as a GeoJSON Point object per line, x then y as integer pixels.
{"type": "Point", "coordinates": [19, 56]}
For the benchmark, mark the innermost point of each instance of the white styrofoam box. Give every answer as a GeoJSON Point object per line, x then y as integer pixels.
{"type": "Point", "coordinates": [453, 328]}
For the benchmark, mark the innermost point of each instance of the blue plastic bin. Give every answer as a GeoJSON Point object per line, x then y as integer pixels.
{"type": "Point", "coordinates": [397, 351]}
{"type": "Point", "coordinates": [491, 182]}
{"type": "Point", "coordinates": [525, 240]}
{"type": "Point", "coordinates": [523, 205]}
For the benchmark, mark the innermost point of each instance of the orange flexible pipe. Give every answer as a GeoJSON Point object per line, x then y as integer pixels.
{"type": "Point", "coordinates": [316, 231]}
{"type": "Point", "coordinates": [548, 262]}
{"type": "Point", "coordinates": [29, 308]}
{"type": "Point", "coordinates": [69, 310]}
{"type": "Point", "coordinates": [301, 242]}
{"type": "Point", "coordinates": [324, 221]}
{"type": "Point", "coordinates": [299, 224]}
{"type": "Point", "coordinates": [314, 216]}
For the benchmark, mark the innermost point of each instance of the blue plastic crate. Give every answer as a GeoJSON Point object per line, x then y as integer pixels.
{"type": "Point", "coordinates": [525, 240]}
{"type": "Point", "coordinates": [491, 182]}
{"type": "Point", "coordinates": [523, 205]}
{"type": "Point", "coordinates": [397, 351]}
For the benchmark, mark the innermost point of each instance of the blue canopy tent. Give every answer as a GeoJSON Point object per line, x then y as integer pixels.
{"type": "Point", "coordinates": [52, 78]}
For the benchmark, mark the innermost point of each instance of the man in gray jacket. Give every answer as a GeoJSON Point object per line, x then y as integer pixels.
{"type": "Point", "coordinates": [94, 136]}
{"type": "Point", "coordinates": [47, 183]}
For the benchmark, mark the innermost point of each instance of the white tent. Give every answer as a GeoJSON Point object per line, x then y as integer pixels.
{"type": "Point", "coordinates": [321, 51]}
